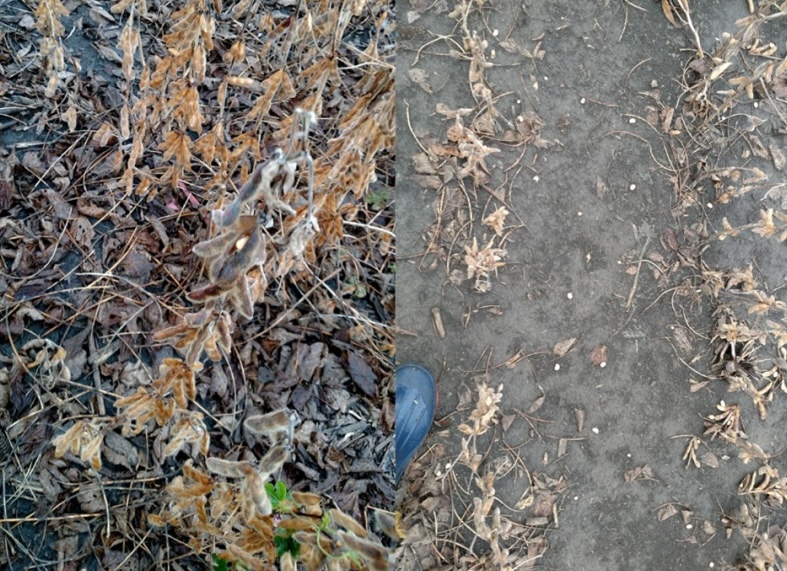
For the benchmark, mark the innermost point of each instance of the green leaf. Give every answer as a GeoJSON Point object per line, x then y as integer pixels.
{"type": "Point", "coordinates": [377, 200]}
{"type": "Point", "coordinates": [280, 497]}
{"type": "Point", "coordinates": [324, 522]}
{"type": "Point", "coordinates": [284, 544]}
{"type": "Point", "coordinates": [219, 564]}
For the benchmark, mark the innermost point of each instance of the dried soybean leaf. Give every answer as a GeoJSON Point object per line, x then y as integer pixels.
{"type": "Point", "coordinates": [362, 374]}
{"type": "Point", "coordinates": [666, 512]}
{"type": "Point", "coordinates": [666, 7]}
{"type": "Point", "coordinates": [563, 347]}
{"type": "Point", "coordinates": [536, 404]}
{"type": "Point", "coordinates": [710, 460]}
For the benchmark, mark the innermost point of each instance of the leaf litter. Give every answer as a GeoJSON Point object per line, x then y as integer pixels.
{"type": "Point", "coordinates": [152, 310]}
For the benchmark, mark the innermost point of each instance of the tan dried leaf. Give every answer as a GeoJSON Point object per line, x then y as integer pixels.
{"type": "Point", "coordinates": [536, 404]}
{"type": "Point", "coordinates": [121, 6]}
{"type": "Point", "coordinates": [666, 7]}
{"type": "Point", "coordinates": [286, 562]}
{"type": "Point", "coordinates": [666, 512]}
{"type": "Point", "coordinates": [484, 261]}
{"type": "Point", "coordinates": [420, 78]}
{"type": "Point", "coordinates": [70, 117]}
{"type": "Point", "coordinates": [105, 134]}
{"type": "Point", "coordinates": [639, 473]}
{"type": "Point", "coordinates": [708, 527]}
{"type": "Point", "coordinates": [709, 459]}
{"type": "Point", "coordinates": [486, 407]}
{"type": "Point", "coordinates": [125, 129]}
{"type": "Point", "coordinates": [563, 347]}
{"type": "Point", "coordinates": [465, 429]}
{"type": "Point", "coordinates": [694, 386]}
{"type": "Point", "coordinates": [497, 220]}
{"type": "Point", "coordinates": [245, 83]}
{"type": "Point", "coordinates": [91, 450]}
{"type": "Point", "coordinates": [719, 69]}
{"type": "Point", "coordinates": [69, 441]}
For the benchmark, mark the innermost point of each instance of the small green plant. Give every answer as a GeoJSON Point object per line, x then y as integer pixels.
{"type": "Point", "coordinates": [220, 564]}
{"type": "Point", "coordinates": [282, 503]}
{"type": "Point", "coordinates": [377, 200]}
{"type": "Point", "coordinates": [280, 497]}
{"type": "Point", "coordinates": [286, 543]}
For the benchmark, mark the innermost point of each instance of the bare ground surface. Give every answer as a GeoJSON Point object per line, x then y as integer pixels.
{"type": "Point", "coordinates": [611, 241]}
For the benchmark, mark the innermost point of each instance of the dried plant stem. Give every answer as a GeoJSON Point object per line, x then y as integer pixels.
{"type": "Point", "coordinates": [368, 227]}
{"type": "Point", "coordinates": [633, 290]}
{"type": "Point", "coordinates": [684, 5]}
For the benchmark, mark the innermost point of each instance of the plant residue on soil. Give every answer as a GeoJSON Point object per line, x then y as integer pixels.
{"type": "Point", "coordinates": [196, 233]}
{"type": "Point", "coordinates": [592, 204]}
